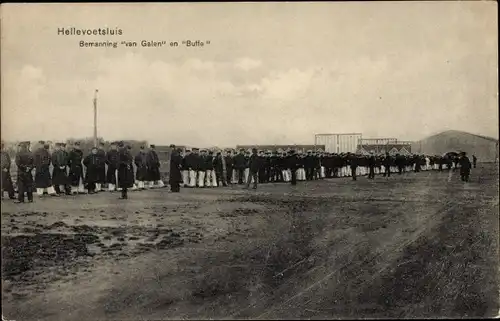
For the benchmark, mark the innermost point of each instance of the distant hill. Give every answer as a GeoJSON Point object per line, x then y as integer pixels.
{"type": "Point", "coordinates": [485, 148]}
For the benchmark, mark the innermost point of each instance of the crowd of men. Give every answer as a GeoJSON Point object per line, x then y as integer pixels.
{"type": "Point", "coordinates": [201, 168]}
{"type": "Point", "coordinates": [74, 173]}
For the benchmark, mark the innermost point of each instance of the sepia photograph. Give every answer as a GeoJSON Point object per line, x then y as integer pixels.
{"type": "Point", "coordinates": [249, 160]}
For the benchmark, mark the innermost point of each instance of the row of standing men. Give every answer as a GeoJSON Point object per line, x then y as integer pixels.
{"type": "Point", "coordinates": [201, 168]}
{"type": "Point", "coordinates": [196, 168]}
{"type": "Point", "coordinates": [74, 173]}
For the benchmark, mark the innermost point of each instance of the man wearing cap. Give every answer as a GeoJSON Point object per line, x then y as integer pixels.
{"type": "Point", "coordinates": [387, 162]}
{"type": "Point", "coordinates": [308, 162]}
{"type": "Point", "coordinates": [239, 165]}
{"type": "Point", "coordinates": [254, 165]}
{"type": "Point", "coordinates": [286, 169]}
{"type": "Point", "coordinates": [371, 166]}
{"type": "Point", "coordinates": [76, 169]}
{"type": "Point", "coordinates": [353, 163]}
{"type": "Point", "coordinates": [7, 185]}
{"type": "Point", "coordinates": [25, 164]}
{"type": "Point", "coordinates": [293, 164]}
{"type": "Point", "coordinates": [141, 163]}
{"type": "Point", "coordinates": [43, 181]}
{"type": "Point", "coordinates": [202, 168]}
{"type": "Point", "coordinates": [246, 172]}
{"type": "Point", "coordinates": [175, 177]}
{"type": "Point", "coordinates": [220, 169]}
{"type": "Point", "coordinates": [185, 168]}
{"type": "Point", "coordinates": [129, 149]}
{"type": "Point", "coordinates": [101, 167]}
{"type": "Point", "coordinates": [228, 159]}
{"type": "Point", "coordinates": [210, 177]}
{"type": "Point", "coordinates": [92, 163]}
{"type": "Point", "coordinates": [153, 161]}
{"type": "Point", "coordinates": [60, 173]}
{"type": "Point", "coordinates": [125, 170]}
{"type": "Point", "coordinates": [112, 161]}
{"type": "Point", "coordinates": [301, 172]}
{"type": "Point", "coordinates": [262, 168]}
{"type": "Point", "coordinates": [193, 165]}
{"type": "Point", "coordinates": [465, 167]}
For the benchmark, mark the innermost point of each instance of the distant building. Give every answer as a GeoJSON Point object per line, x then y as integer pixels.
{"type": "Point", "coordinates": [377, 141]}
{"type": "Point", "coordinates": [392, 149]}
{"type": "Point", "coordinates": [302, 148]}
{"type": "Point", "coordinates": [485, 148]}
{"type": "Point", "coordinates": [339, 143]}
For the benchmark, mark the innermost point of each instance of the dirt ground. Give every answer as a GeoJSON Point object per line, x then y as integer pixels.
{"type": "Point", "coordinates": [419, 245]}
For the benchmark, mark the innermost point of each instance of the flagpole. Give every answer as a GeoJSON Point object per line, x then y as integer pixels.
{"type": "Point", "coordinates": [95, 117]}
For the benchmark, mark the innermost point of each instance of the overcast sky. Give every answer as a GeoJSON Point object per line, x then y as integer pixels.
{"type": "Point", "coordinates": [273, 72]}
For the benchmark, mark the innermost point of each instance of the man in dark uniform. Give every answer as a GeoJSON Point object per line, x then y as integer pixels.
{"type": "Point", "coordinates": [141, 163]}
{"type": "Point", "coordinates": [43, 181]}
{"type": "Point", "coordinates": [219, 169]}
{"type": "Point", "coordinates": [76, 169]}
{"type": "Point", "coordinates": [465, 167]}
{"type": "Point", "coordinates": [254, 165]}
{"type": "Point", "coordinates": [25, 164]}
{"type": "Point", "coordinates": [371, 166]}
{"type": "Point", "coordinates": [268, 170]}
{"type": "Point", "coordinates": [125, 170]}
{"type": "Point", "coordinates": [202, 170]}
{"type": "Point", "coordinates": [319, 169]}
{"type": "Point", "coordinates": [275, 170]}
{"type": "Point", "coordinates": [308, 163]}
{"type": "Point", "coordinates": [400, 162]}
{"type": "Point", "coordinates": [154, 174]}
{"type": "Point", "coordinates": [262, 169]}
{"type": "Point", "coordinates": [102, 167]}
{"type": "Point", "coordinates": [191, 163]}
{"type": "Point", "coordinates": [388, 163]}
{"type": "Point", "coordinates": [474, 160]}
{"type": "Point", "coordinates": [60, 173]}
{"type": "Point", "coordinates": [353, 164]}
{"type": "Point", "coordinates": [112, 162]}
{"type": "Point", "coordinates": [239, 165]}
{"type": "Point", "coordinates": [184, 168]}
{"type": "Point", "coordinates": [175, 175]}
{"type": "Point", "coordinates": [210, 177]}
{"type": "Point", "coordinates": [92, 163]}
{"type": "Point", "coordinates": [229, 167]}
{"type": "Point", "coordinates": [293, 163]}
{"type": "Point", "coordinates": [7, 185]}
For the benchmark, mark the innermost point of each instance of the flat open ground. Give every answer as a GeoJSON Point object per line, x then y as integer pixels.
{"type": "Point", "coordinates": [419, 245]}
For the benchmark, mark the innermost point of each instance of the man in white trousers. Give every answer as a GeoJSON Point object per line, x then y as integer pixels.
{"type": "Point", "coordinates": [202, 169]}
{"type": "Point", "coordinates": [210, 177]}
{"type": "Point", "coordinates": [185, 168]}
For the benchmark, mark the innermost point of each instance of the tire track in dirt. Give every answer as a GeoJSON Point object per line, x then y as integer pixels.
{"type": "Point", "coordinates": [384, 257]}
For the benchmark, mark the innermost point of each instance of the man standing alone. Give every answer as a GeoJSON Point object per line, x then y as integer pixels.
{"type": "Point", "coordinates": [465, 167]}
